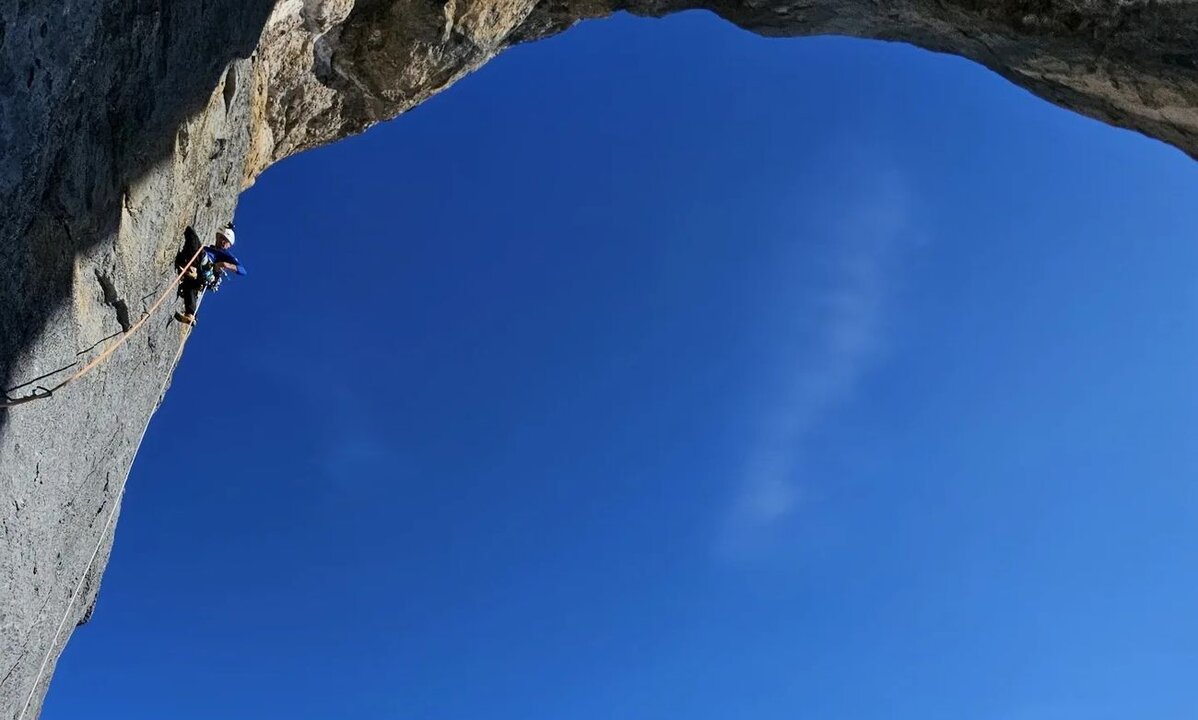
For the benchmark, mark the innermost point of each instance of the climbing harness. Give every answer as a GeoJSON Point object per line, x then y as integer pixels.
{"type": "Point", "coordinates": [41, 392]}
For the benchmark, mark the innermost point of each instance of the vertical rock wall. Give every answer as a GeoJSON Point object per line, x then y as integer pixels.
{"type": "Point", "coordinates": [120, 123]}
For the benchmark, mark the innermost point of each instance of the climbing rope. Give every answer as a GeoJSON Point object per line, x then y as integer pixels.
{"type": "Point", "coordinates": [66, 614]}
{"type": "Point", "coordinates": [41, 393]}
{"type": "Point", "coordinates": [71, 603]}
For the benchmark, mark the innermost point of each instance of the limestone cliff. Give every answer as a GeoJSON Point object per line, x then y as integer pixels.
{"type": "Point", "coordinates": [122, 121]}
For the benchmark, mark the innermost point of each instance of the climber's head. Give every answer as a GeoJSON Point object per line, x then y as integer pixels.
{"type": "Point", "coordinates": [225, 237]}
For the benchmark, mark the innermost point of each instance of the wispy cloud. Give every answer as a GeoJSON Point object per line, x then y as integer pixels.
{"type": "Point", "coordinates": [821, 370]}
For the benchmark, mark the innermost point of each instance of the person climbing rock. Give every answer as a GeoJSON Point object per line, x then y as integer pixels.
{"type": "Point", "coordinates": [211, 266]}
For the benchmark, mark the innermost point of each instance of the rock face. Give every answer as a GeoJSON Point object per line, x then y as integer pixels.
{"type": "Point", "coordinates": [122, 121]}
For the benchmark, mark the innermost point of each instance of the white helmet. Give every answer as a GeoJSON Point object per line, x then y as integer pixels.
{"type": "Point", "coordinates": [228, 234]}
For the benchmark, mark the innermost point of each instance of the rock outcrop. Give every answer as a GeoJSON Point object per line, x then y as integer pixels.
{"type": "Point", "coordinates": [122, 121]}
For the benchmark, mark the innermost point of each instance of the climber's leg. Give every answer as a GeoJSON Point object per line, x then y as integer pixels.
{"type": "Point", "coordinates": [191, 246]}
{"type": "Point", "coordinates": [191, 294]}
{"type": "Point", "coordinates": [189, 290]}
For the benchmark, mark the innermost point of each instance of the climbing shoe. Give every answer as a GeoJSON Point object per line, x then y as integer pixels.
{"type": "Point", "coordinates": [186, 319]}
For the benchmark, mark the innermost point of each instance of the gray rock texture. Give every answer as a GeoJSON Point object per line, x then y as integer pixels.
{"type": "Point", "coordinates": [122, 121]}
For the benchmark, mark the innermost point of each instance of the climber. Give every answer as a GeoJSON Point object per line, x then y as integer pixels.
{"type": "Point", "coordinates": [209, 269]}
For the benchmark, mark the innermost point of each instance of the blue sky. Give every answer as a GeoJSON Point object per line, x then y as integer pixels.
{"type": "Point", "coordinates": [658, 370]}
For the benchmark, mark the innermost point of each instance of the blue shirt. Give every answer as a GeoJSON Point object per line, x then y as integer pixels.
{"type": "Point", "coordinates": [217, 255]}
